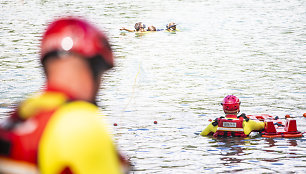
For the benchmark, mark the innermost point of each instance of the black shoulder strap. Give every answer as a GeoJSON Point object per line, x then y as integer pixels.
{"type": "Point", "coordinates": [244, 117]}
{"type": "Point", "coordinates": [5, 147]}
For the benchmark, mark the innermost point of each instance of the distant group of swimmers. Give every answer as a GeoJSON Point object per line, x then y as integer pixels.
{"type": "Point", "coordinates": [140, 27]}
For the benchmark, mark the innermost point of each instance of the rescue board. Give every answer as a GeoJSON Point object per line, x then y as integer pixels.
{"type": "Point", "coordinates": [277, 128]}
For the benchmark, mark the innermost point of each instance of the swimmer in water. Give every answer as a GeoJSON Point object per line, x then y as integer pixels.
{"type": "Point", "coordinates": [139, 27]}
{"type": "Point", "coordinates": [151, 28]}
{"type": "Point", "coordinates": [171, 26]}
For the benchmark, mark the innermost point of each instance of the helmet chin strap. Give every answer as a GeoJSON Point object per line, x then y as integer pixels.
{"type": "Point", "coordinates": [232, 112]}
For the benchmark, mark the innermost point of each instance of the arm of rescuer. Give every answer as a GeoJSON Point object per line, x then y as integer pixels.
{"type": "Point", "coordinates": [211, 128]}
{"type": "Point", "coordinates": [126, 29]}
{"type": "Point", "coordinates": [251, 125]}
{"type": "Point", "coordinates": [248, 127]}
{"type": "Point", "coordinates": [77, 140]}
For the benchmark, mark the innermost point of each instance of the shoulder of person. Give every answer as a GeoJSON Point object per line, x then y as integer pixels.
{"type": "Point", "coordinates": [77, 132]}
{"type": "Point", "coordinates": [78, 122]}
{"type": "Point", "coordinates": [40, 102]}
{"type": "Point", "coordinates": [81, 112]}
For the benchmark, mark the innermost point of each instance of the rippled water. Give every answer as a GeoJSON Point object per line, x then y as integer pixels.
{"type": "Point", "coordinates": [255, 49]}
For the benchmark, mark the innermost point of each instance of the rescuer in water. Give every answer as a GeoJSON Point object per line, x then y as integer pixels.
{"type": "Point", "coordinates": [232, 124]}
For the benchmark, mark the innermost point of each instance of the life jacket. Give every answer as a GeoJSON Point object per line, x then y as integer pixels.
{"type": "Point", "coordinates": [20, 133]}
{"type": "Point", "coordinates": [45, 127]}
{"type": "Point", "coordinates": [230, 127]}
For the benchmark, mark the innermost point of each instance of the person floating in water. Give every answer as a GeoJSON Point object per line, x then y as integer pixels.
{"type": "Point", "coordinates": [139, 27]}
{"type": "Point", "coordinates": [152, 28]}
{"type": "Point", "coordinates": [171, 26]}
{"type": "Point", "coordinates": [231, 124]}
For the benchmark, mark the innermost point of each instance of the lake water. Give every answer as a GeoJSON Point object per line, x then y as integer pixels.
{"type": "Point", "coordinates": [254, 49]}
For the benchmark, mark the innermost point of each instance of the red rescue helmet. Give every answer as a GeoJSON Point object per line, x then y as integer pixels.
{"type": "Point", "coordinates": [73, 35]}
{"type": "Point", "coordinates": [231, 104]}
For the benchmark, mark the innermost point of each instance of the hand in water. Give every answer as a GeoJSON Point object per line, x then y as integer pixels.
{"type": "Point", "coordinates": [254, 134]}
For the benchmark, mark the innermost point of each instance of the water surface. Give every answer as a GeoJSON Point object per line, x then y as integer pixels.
{"type": "Point", "coordinates": [254, 49]}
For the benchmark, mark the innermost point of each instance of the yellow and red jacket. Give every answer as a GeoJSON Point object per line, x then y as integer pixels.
{"type": "Point", "coordinates": [49, 133]}
{"type": "Point", "coordinates": [232, 126]}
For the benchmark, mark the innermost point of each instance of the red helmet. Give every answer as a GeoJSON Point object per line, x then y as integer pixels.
{"type": "Point", "coordinates": [74, 35]}
{"type": "Point", "coordinates": [231, 104]}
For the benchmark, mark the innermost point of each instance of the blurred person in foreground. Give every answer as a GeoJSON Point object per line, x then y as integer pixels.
{"type": "Point", "coordinates": [60, 130]}
{"type": "Point", "coordinates": [232, 125]}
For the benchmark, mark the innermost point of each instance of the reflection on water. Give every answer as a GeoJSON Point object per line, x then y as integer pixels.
{"type": "Point", "coordinates": [254, 49]}
{"type": "Point", "coordinates": [260, 155]}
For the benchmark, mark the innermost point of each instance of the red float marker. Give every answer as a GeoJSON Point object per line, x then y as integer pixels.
{"type": "Point", "coordinates": [115, 124]}
{"type": "Point", "coordinates": [155, 122]}
{"type": "Point", "coordinates": [304, 115]}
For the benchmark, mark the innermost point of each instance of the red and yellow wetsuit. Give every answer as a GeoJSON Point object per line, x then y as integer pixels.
{"type": "Point", "coordinates": [50, 133]}
{"type": "Point", "coordinates": [240, 126]}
